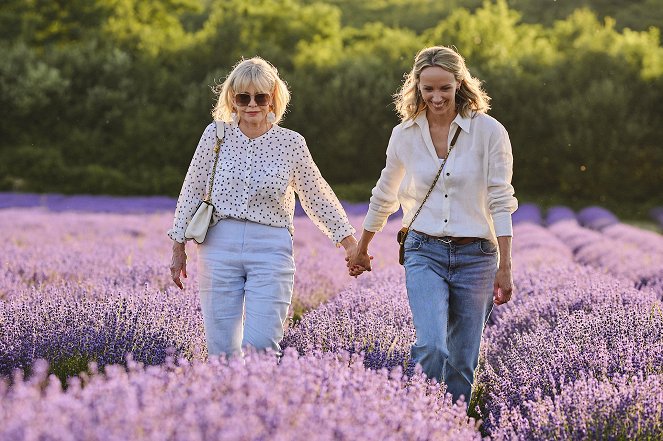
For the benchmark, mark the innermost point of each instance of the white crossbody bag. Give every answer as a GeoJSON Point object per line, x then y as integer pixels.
{"type": "Point", "coordinates": [202, 218]}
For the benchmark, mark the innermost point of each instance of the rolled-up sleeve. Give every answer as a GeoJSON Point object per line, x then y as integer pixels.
{"type": "Point", "coordinates": [384, 196]}
{"type": "Point", "coordinates": [318, 199]}
{"type": "Point", "coordinates": [501, 200]}
{"type": "Point", "coordinates": [195, 184]}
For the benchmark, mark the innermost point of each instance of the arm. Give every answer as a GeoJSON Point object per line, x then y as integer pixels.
{"type": "Point", "coordinates": [193, 190]}
{"type": "Point", "coordinates": [318, 199]}
{"type": "Point", "coordinates": [503, 286]}
{"type": "Point", "coordinates": [195, 184]}
{"type": "Point", "coordinates": [501, 203]}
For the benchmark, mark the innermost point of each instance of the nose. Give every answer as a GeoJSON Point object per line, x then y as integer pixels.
{"type": "Point", "coordinates": [437, 95]}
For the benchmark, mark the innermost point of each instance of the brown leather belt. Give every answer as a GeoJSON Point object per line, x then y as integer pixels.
{"type": "Point", "coordinates": [450, 239]}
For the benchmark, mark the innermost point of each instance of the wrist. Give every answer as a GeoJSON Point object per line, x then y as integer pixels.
{"type": "Point", "coordinates": [348, 241]}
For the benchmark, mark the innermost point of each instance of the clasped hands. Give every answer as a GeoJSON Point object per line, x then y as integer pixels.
{"type": "Point", "coordinates": [357, 257]}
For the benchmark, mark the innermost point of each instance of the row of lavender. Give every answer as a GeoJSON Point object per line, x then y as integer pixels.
{"type": "Point", "coordinates": [155, 204]}
{"type": "Point", "coordinates": [114, 204]}
{"type": "Point", "coordinates": [371, 316]}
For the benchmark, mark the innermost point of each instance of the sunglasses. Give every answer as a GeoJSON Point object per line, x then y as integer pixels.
{"type": "Point", "coordinates": [244, 99]}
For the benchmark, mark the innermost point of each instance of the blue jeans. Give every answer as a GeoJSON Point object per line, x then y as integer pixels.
{"type": "Point", "coordinates": [246, 274]}
{"type": "Point", "coordinates": [450, 291]}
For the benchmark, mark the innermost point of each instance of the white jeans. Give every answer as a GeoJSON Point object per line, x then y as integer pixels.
{"type": "Point", "coordinates": [246, 274]}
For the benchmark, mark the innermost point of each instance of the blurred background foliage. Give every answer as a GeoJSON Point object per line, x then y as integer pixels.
{"type": "Point", "coordinates": [111, 96]}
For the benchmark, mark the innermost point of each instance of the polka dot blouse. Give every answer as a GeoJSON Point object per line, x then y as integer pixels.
{"type": "Point", "coordinates": [256, 180]}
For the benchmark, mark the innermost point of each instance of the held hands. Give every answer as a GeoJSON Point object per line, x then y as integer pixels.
{"type": "Point", "coordinates": [503, 287]}
{"type": "Point", "coordinates": [178, 264]}
{"type": "Point", "coordinates": [357, 261]}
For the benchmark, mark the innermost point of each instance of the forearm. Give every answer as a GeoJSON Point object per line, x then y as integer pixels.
{"type": "Point", "coordinates": [365, 240]}
{"type": "Point", "coordinates": [504, 246]}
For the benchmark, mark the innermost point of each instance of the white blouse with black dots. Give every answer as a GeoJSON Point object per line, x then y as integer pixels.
{"type": "Point", "coordinates": [256, 179]}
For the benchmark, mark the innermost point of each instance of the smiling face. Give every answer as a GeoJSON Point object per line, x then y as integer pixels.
{"type": "Point", "coordinates": [438, 89]}
{"type": "Point", "coordinates": [252, 113]}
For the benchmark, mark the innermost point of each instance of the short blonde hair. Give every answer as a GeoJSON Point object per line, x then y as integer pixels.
{"type": "Point", "coordinates": [470, 97]}
{"type": "Point", "coordinates": [252, 72]}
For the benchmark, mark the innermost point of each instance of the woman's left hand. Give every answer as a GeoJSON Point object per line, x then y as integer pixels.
{"type": "Point", "coordinates": [503, 286]}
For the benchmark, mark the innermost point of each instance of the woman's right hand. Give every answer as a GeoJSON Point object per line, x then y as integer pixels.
{"type": "Point", "coordinates": [178, 264]}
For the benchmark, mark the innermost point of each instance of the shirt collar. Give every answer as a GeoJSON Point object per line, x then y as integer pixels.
{"type": "Point", "coordinates": [422, 122]}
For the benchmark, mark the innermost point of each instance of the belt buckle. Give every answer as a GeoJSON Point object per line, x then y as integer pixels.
{"type": "Point", "coordinates": [446, 239]}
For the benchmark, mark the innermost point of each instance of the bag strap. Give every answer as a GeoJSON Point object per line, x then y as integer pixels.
{"type": "Point", "coordinates": [220, 132]}
{"type": "Point", "coordinates": [439, 172]}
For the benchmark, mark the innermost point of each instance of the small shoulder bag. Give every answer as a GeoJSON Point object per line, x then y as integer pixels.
{"type": "Point", "coordinates": [202, 218]}
{"type": "Point", "coordinates": [403, 232]}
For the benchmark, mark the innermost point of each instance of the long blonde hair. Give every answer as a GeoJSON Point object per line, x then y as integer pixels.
{"type": "Point", "coordinates": [252, 72]}
{"type": "Point", "coordinates": [470, 96]}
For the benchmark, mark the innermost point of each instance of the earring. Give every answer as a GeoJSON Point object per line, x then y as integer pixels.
{"type": "Point", "coordinates": [271, 117]}
{"type": "Point", "coordinates": [234, 117]}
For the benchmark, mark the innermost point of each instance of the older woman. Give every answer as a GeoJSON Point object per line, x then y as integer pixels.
{"type": "Point", "coordinates": [246, 264]}
{"type": "Point", "coordinates": [449, 166]}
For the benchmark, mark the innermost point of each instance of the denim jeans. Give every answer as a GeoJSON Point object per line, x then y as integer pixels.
{"type": "Point", "coordinates": [246, 275]}
{"type": "Point", "coordinates": [450, 291]}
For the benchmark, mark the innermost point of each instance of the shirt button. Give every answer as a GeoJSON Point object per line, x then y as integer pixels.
{"type": "Point", "coordinates": [447, 174]}
{"type": "Point", "coordinates": [446, 195]}
{"type": "Point", "coordinates": [445, 220]}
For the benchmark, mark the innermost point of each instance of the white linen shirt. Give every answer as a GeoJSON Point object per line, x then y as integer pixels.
{"type": "Point", "coordinates": [256, 179]}
{"type": "Point", "coordinates": [472, 198]}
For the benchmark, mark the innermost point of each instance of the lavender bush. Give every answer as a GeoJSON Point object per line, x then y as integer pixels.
{"type": "Point", "coordinates": [322, 397]}
{"type": "Point", "coordinates": [527, 213]}
{"type": "Point", "coordinates": [70, 328]}
{"type": "Point", "coordinates": [372, 317]}
{"type": "Point", "coordinates": [657, 214]}
{"type": "Point", "coordinates": [624, 407]}
{"type": "Point", "coordinates": [570, 324]}
{"type": "Point", "coordinates": [607, 341]}
{"type": "Point", "coordinates": [559, 213]}
{"type": "Point", "coordinates": [596, 217]}
{"type": "Point", "coordinates": [617, 250]}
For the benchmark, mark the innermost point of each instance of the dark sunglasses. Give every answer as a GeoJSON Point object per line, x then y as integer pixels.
{"type": "Point", "coordinates": [244, 99]}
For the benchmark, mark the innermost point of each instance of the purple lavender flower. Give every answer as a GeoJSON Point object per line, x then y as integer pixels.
{"type": "Point", "coordinates": [603, 343]}
{"type": "Point", "coordinates": [527, 213]}
{"type": "Point", "coordinates": [322, 397]}
{"type": "Point", "coordinates": [624, 407]}
{"type": "Point", "coordinates": [559, 213]}
{"type": "Point", "coordinates": [657, 214]}
{"type": "Point", "coordinates": [596, 217]}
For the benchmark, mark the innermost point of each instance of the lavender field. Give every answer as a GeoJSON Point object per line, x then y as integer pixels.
{"type": "Point", "coordinates": [96, 342]}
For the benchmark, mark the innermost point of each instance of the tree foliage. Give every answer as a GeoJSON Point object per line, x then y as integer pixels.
{"type": "Point", "coordinates": [111, 95]}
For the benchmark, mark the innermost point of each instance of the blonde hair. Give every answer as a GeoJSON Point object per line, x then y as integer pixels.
{"type": "Point", "coordinates": [470, 97]}
{"type": "Point", "coordinates": [252, 72]}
